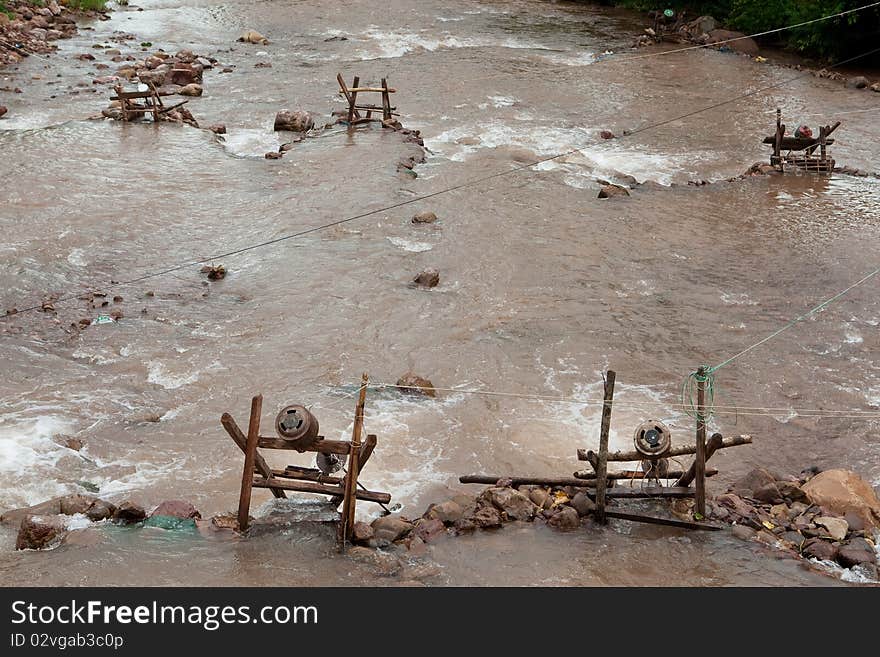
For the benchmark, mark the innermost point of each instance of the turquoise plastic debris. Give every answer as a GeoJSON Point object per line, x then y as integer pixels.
{"type": "Point", "coordinates": [171, 523]}
{"type": "Point", "coordinates": [668, 13]}
{"type": "Point", "coordinates": [102, 319]}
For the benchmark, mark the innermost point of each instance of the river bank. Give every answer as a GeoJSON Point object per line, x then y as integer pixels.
{"type": "Point", "coordinates": [541, 285]}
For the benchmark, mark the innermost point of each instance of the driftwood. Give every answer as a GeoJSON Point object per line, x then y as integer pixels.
{"type": "Point", "coordinates": [587, 455]}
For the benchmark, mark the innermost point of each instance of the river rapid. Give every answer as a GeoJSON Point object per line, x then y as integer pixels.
{"type": "Point", "coordinates": [542, 285]}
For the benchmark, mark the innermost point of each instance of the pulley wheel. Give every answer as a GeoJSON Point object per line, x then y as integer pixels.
{"type": "Point", "coordinates": [652, 438]}
{"type": "Point", "coordinates": [297, 426]}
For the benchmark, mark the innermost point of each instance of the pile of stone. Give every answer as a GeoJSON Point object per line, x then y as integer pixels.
{"type": "Point", "coordinates": [704, 30]}
{"type": "Point", "coordinates": [49, 524]}
{"type": "Point", "coordinates": [830, 516]}
{"type": "Point", "coordinates": [564, 509]}
{"type": "Point", "coordinates": [30, 28]}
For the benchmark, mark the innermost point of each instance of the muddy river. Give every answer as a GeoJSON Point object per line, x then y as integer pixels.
{"type": "Point", "coordinates": [542, 285]}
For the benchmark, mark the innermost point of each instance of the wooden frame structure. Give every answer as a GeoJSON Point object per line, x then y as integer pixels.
{"type": "Point", "coordinates": [808, 160]}
{"type": "Point", "coordinates": [354, 109]}
{"type": "Point", "coordinates": [257, 473]}
{"type": "Point", "coordinates": [603, 482]}
{"type": "Point", "coordinates": [152, 102]}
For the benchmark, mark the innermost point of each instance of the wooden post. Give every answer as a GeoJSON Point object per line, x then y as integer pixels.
{"type": "Point", "coordinates": [349, 501]}
{"type": "Point", "coordinates": [352, 101]}
{"type": "Point", "coordinates": [700, 458]}
{"type": "Point", "coordinates": [345, 93]}
{"type": "Point", "coordinates": [602, 470]}
{"type": "Point", "coordinates": [250, 452]}
{"type": "Point", "coordinates": [386, 101]}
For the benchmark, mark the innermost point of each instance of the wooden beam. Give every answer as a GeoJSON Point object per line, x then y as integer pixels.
{"type": "Point", "coordinates": [378, 90]}
{"type": "Point", "coordinates": [239, 439]}
{"type": "Point", "coordinates": [700, 457]}
{"type": "Point", "coordinates": [320, 489]}
{"type": "Point", "coordinates": [602, 470]}
{"type": "Point", "coordinates": [683, 524]}
{"type": "Point", "coordinates": [321, 445]}
{"type": "Point", "coordinates": [352, 101]}
{"type": "Point", "coordinates": [580, 479]}
{"type": "Point", "coordinates": [346, 93]}
{"type": "Point", "coordinates": [349, 501]}
{"type": "Point", "coordinates": [247, 475]}
{"type": "Point", "coordinates": [626, 492]}
{"type": "Point", "coordinates": [585, 455]}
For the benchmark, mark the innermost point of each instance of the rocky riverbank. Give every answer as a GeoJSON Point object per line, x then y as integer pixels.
{"type": "Point", "coordinates": [828, 519]}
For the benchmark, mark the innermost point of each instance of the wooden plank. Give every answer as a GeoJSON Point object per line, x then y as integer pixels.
{"type": "Point", "coordinates": [239, 439]}
{"type": "Point", "coordinates": [700, 457]}
{"type": "Point", "coordinates": [172, 107]}
{"type": "Point", "coordinates": [320, 489]}
{"type": "Point", "coordinates": [580, 479]}
{"type": "Point", "coordinates": [386, 101]}
{"type": "Point", "coordinates": [307, 474]}
{"type": "Point", "coordinates": [585, 455]}
{"type": "Point", "coordinates": [683, 524]}
{"type": "Point", "coordinates": [602, 469]}
{"type": "Point", "coordinates": [712, 446]}
{"type": "Point", "coordinates": [323, 446]}
{"type": "Point", "coordinates": [247, 475]}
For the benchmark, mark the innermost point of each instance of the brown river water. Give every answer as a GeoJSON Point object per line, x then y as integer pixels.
{"type": "Point", "coordinates": [543, 286]}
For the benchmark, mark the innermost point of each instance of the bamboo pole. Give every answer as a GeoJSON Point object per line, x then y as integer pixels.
{"type": "Point", "coordinates": [247, 475]}
{"type": "Point", "coordinates": [602, 470]}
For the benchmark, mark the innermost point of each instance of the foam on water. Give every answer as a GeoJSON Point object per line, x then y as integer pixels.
{"type": "Point", "coordinates": [250, 142]}
{"type": "Point", "coordinates": [27, 451]}
{"type": "Point", "coordinates": [410, 245]}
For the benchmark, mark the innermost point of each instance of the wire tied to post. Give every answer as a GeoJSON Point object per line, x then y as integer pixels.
{"type": "Point", "coordinates": [705, 375]}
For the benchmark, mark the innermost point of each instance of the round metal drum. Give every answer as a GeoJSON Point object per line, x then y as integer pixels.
{"type": "Point", "coordinates": [298, 426]}
{"type": "Point", "coordinates": [652, 438]}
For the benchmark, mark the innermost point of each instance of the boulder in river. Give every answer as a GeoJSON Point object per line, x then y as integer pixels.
{"type": "Point", "coordinates": [362, 533]}
{"type": "Point", "coordinates": [611, 190]}
{"type": "Point", "coordinates": [391, 528]}
{"type": "Point", "coordinates": [512, 503]}
{"type": "Point", "coordinates": [252, 36]}
{"type": "Point", "coordinates": [842, 492]}
{"type": "Point", "coordinates": [193, 89]}
{"type": "Point", "coordinates": [73, 504]}
{"type": "Point", "coordinates": [447, 512]}
{"type": "Point", "coordinates": [100, 510]}
{"type": "Point", "coordinates": [416, 385]}
{"type": "Point", "coordinates": [565, 518]}
{"type": "Point", "coordinates": [294, 121]}
{"type": "Point", "coordinates": [39, 532]}
{"type": "Point", "coordinates": [819, 548]}
{"type": "Point", "coordinates": [857, 82]}
{"type": "Point", "coordinates": [217, 128]}
{"type": "Point", "coordinates": [176, 509]}
{"type": "Point", "coordinates": [427, 278]}
{"type": "Point", "coordinates": [424, 218]}
{"type": "Point", "coordinates": [128, 513]}
{"type": "Point", "coordinates": [185, 74]}
{"type": "Point", "coordinates": [855, 552]}
{"type": "Point", "coordinates": [606, 134]}
{"type": "Point", "coordinates": [3, 110]}
{"type": "Point", "coordinates": [742, 43]}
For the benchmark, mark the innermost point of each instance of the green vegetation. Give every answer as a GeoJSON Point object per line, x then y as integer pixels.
{"type": "Point", "coordinates": [836, 38]}
{"type": "Point", "coordinates": [4, 10]}
{"type": "Point", "coordinates": [97, 5]}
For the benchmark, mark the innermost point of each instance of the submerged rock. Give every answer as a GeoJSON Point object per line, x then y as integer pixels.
{"type": "Point", "coordinates": [610, 190]}
{"type": "Point", "coordinates": [414, 384]}
{"type": "Point", "coordinates": [391, 528]}
{"type": "Point", "coordinates": [128, 513]}
{"type": "Point", "coordinates": [565, 518]}
{"type": "Point", "coordinates": [176, 509]}
{"type": "Point", "coordinates": [252, 36]}
{"type": "Point", "coordinates": [857, 82]}
{"type": "Point", "coordinates": [3, 110]}
{"type": "Point", "coordinates": [427, 278]}
{"type": "Point", "coordinates": [424, 218]}
{"type": "Point", "coordinates": [191, 90]}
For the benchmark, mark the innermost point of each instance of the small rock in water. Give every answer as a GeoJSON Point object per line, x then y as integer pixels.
{"type": "Point", "coordinates": [391, 528]}
{"type": "Point", "coordinates": [857, 82]}
{"type": "Point", "coordinates": [427, 278]}
{"type": "Point", "coordinates": [611, 190]}
{"type": "Point", "coordinates": [252, 36]}
{"type": "Point", "coordinates": [214, 272]}
{"type": "Point", "coordinates": [583, 504]}
{"type": "Point", "coordinates": [3, 110]}
{"type": "Point", "coordinates": [274, 155]}
{"type": "Point", "coordinates": [855, 552]}
{"type": "Point", "coordinates": [192, 89]}
{"type": "Point", "coordinates": [362, 533]}
{"type": "Point", "coordinates": [606, 134]}
{"type": "Point", "coordinates": [424, 218]}
{"type": "Point", "coordinates": [263, 65]}
{"type": "Point", "coordinates": [70, 442]}
{"type": "Point", "coordinates": [415, 385]}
